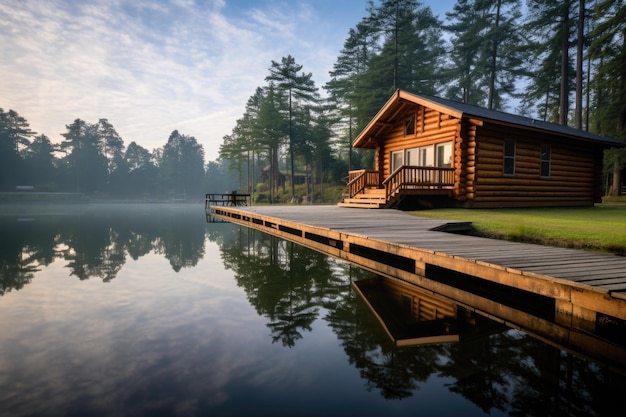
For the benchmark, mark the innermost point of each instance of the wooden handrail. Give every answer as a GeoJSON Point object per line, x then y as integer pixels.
{"type": "Point", "coordinates": [359, 180]}
{"type": "Point", "coordinates": [415, 177]}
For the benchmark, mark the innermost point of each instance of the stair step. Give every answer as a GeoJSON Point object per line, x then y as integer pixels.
{"type": "Point", "coordinates": [369, 198]}
{"type": "Point", "coordinates": [364, 200]}
{"type": "Point", "coordinates": [370, 195]}
{"type": "Point", "coordinates": [355, 205]}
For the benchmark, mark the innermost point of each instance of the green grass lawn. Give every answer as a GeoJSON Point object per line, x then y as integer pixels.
{"type": "Point", "coordinates": [600, 228]}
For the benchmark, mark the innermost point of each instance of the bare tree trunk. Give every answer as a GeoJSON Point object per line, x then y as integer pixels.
{"type": "Point", "coordinates": [494, 59]}
{"type": "Point", "coordinates": [616, 190]}
{"type": "Point", "coordinates": [564, 106]}
{"type": "Point", "coordinates": [578, 113]}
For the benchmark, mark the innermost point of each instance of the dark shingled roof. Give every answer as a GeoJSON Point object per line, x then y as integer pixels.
{"type": "Point", "coordinates": [502, 117]}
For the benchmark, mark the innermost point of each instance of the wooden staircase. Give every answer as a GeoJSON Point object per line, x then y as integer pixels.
{"type": "Point", "coordinates": [370, 198]}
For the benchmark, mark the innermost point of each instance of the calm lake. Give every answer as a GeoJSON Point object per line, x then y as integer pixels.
{"type": "Point", "coordinates": [150, 310]}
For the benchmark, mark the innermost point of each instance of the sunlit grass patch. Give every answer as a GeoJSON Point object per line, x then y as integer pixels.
{"type": "Point", "coordinates": [602, 227]}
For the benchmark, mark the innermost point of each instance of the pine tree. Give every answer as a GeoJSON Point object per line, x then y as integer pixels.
{"type": "Point", "coordinates": [550, 27]}
{"type": "Point", "coordinates": [87, 166]}
{"type": "Point", "coordinates": [300, 90]}
{"type": "Point", "coordinates": [487, 57]}
{"type": "Point", "coordinates": [608, 47]}
{"type": "Point", "coordinates": [14, 135]}
{"type": "Point", "coordinates": [467, 30]}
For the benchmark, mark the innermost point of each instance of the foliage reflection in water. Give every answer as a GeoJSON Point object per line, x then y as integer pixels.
{"type": "Point", "coordinates": [149, 310]}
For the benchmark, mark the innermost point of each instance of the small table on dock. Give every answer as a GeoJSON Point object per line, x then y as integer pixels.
{"type": "Point", "coordinates": [227, 199]}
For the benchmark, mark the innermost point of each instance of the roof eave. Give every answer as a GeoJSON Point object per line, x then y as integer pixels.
{"type": "Point", "coordinates": [365, 138]}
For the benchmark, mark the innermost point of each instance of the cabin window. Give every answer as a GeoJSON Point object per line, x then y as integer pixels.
{"type": "Point", "coordinates": [444, 155]}
{"type": "Point", "coordinates": [397, 160]}
{"type": "Point", "coordinates": [409, 126]}
{"type": "Point", "coordinates": [426, 156]}
{"type": "Point", "coordinates": [546, 155]}
{"type": "Point", "coordinates": [509, 157]}
{"type": "Point", "coordinates": [411, 157]}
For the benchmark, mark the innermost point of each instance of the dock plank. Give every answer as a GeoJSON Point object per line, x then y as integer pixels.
{"type": "Point", "coordinates": [392, 229]}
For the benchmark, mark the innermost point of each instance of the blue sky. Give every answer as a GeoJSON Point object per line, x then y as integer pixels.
{"type": "Point", "coordinates": [151, 67]}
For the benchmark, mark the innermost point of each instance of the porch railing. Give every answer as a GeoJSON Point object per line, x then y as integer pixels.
{"type": "Point", "coordinates": [415, 177]}
{"type": "Point", "coordinates": [359, 180]}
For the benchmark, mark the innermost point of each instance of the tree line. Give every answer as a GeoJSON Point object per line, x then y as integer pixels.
{"type": "Point", "coordinates": [93, 160]}
{"type": "Point", "coordinates": [560, 61]}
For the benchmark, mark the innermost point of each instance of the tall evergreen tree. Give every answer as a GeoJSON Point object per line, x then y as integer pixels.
{"type": "Point", "coordinates": [487, 58]}
{"type": "Point", "coordinates": [608, 47]}
{"type": "Point", "coordinates": [142, 172]}
{"type": "Point", "coordinates": [413, 46]}
{"type": "Point", "coordinates": [39, 162]}
{"type": "Point", "coordinates": [300, 90]}
{"type": "Point", "coordinates": [467, 27]}
{"type": "Point", "coordinates": [110, 143]}
{"type": "Point", "coordinates": [550, 28]}
{"type": "Point", "coordinates": [87, 166]}
{"type": "Point", "coordinates": [14, 135]}
{"type": "Point", "coordinates": [349, 90]}
{"type": "Point", "coordinates": [182, 166]}
{"type": "Point", "coordinates": [271, 131]}
{"type": "Point", "coordinates": [505, 53]}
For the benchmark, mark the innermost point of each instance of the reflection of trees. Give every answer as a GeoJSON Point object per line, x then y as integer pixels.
{"type": "Point", "coordinates": [395, 372]}
{"type": "Point", "coordinates": [281, 280]}
{"type": "Point", "coordinates": [505, 371]}
{"type": "Point", "coordinates": [92, 249]}
{"type": "Point", "coordinates": [181, 240]}
{"type": "Point", "coordinates": [290, 286]}
{"type": "Point", "coordinates": [25, 246]}
{"type": "Point", "coordinates": [95, 242]}
{"type": "Point", "coordinates": [480, 368]}
{"type": "Point", "coordinates": [554, 382]}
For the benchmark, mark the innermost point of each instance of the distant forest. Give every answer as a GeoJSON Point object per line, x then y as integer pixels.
{"type": "Point", "coordinates": [562, 61]}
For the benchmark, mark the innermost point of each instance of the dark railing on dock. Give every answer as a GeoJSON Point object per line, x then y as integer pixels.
{"type": "Point", "coordinates": [227, 199]}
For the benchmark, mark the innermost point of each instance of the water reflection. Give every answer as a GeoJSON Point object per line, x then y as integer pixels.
{"type": "Point", "coordinates": [147, 343]}
{"type": "Point", "coordinates": [95, 241]}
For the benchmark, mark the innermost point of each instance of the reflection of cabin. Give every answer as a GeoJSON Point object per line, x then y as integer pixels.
{"type": "Point", "coordinates": [412, 316]}
{"type": "Point", "coordinates": [431, 151]}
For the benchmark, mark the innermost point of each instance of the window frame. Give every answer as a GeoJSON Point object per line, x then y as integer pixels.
{"type": "Point", "coordinates": [409, 126]}
{"type": "Point", "coordinates": [508, 161]}
{"type": "Point", "coordinates": [545, 163]}
{"type": "Point", "coordinates": [396, 156]}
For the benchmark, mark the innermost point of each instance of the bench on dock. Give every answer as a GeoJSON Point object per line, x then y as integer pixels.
{"type": "Point", "coordinates": [227, 199]}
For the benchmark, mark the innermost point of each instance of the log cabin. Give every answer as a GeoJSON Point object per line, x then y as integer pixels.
{"type": "Point", "coordinates": [434, 152]}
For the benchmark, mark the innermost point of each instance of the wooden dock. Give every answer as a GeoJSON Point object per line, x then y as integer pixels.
{"type": "Point", "coordinates": [582, 287]}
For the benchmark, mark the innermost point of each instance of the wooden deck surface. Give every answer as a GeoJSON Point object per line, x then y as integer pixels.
{"type": "Point", "coordinates": [568, 270]}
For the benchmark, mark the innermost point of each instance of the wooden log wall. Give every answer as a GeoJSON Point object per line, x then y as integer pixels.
{"type": "Point", "coordinates": [431, 127]}
{"type": "Point", "coordinates": [424, 305]}
{"type": "Point", "coordinates": [465, 160]}
{"type": "Point", "coordinates": [572, 172]}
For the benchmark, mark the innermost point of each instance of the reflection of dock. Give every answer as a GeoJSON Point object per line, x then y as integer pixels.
{"type": "Point", "coordinates": [412, 316]}
{"type": "Point", "coordinates": [571, 287]}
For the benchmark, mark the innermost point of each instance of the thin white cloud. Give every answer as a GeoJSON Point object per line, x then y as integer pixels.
{"type": "Point", "coordinates": [152, 67]}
